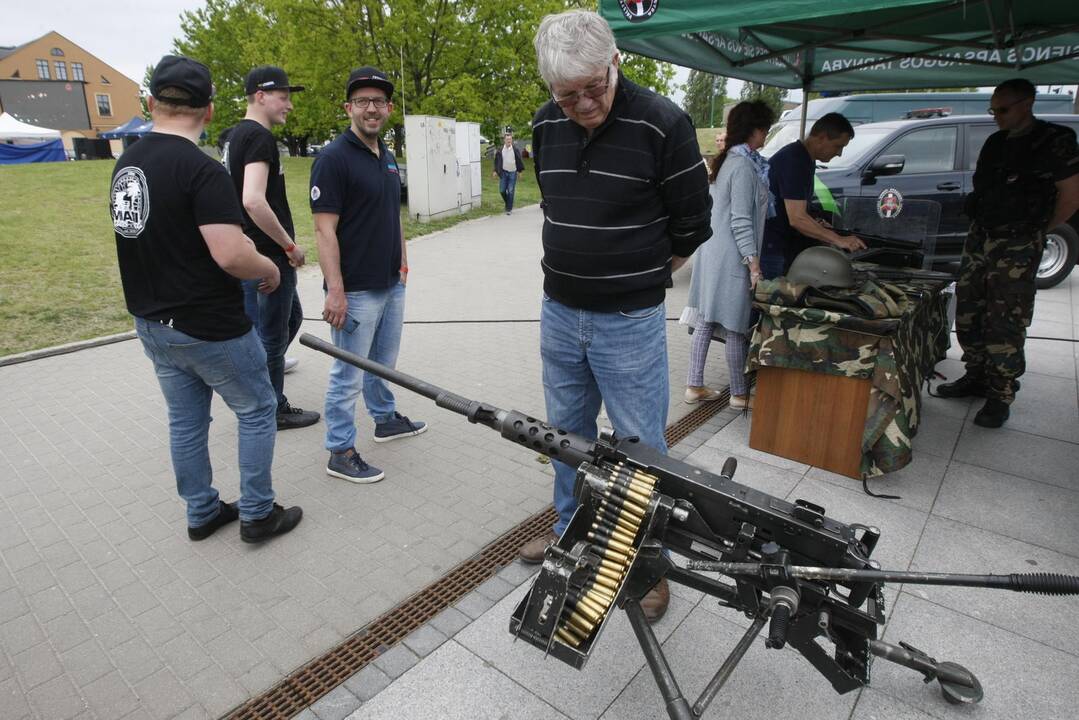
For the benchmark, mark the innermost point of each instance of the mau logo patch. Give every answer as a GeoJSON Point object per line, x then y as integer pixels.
{"type": "Point", "coordinates": [638, 10]}
{"type": "Point", "coordinates": [130, 202]}
{"type": "Point", "coordinates": [889, 203]}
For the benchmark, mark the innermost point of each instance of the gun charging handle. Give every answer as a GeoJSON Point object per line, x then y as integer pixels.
{"type": "Point", "coordinates": [783, 594]}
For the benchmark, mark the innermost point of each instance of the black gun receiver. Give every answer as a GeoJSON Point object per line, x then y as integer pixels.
{"type": "Point", "coordinates": [807, 576]}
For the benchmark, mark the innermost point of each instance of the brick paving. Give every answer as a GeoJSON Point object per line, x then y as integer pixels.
{"type": "Point", "coordinates": [108, 611]}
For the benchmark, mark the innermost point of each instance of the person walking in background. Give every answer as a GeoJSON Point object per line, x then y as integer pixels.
{"type": "Point", "coordinates": [727, 267]}
{"type": "Point", "coordinates": [508, 164]}
{"type": "Point", "coordinates": [181, 249]}
{"type": "Point", "coordinates": [251, 156]}
{"type": "Point", "coordinates": [356, 202]}
{"type": "Point", "coordinates": [791, 229]}
{"type": "Point", "coordinates": [625, 202]}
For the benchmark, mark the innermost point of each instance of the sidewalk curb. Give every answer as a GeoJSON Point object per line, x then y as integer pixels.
{"type": "Point", "coordinates": [66, 348]}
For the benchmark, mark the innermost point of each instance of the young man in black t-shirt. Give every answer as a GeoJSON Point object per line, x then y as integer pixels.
{"type": "Point", "coordinates": [181, 252]}
{"type": "Point", "coordinates": [252, 159]}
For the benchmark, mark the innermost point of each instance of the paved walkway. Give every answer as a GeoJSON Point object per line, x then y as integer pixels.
{"type": "Point", "coordinates": [973, 500]}
{"type": "Point", "coordinates": [108, 611]}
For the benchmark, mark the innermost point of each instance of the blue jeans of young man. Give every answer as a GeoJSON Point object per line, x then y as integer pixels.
{"type": "Point", "coordinates": [189, 371]}
{"type": "Point", "coordinates": [507, 184]}
{"type": "Point", "coordinates": [617, 358]}
{"type": "Point", "coordinates": [277, 318]}
{"type": "Point", "coordinates": [372, 330]}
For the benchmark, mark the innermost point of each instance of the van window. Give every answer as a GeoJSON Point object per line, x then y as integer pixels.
{"type": "Point", "coordinates": [976, 137]}
{"type": "Point", "coordinates": [926, 151]}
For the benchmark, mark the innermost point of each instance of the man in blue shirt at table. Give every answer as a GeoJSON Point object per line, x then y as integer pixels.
{"type": "Point", "coordinates": [791, 174]}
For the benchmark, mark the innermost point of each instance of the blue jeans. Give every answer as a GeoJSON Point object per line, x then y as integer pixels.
{"type": "Point", "coordinates": [277, 318]}
{"type": "Point", "coordinates": [771, 266]}
{"type": "Point", "coordinates": [189, 370]}
{"type": "Point", "coordinates": [617, 358]}
{"type": "Point", "coordinates": [507, 184]}
{"type": "Point", "coordinates": [375, 317]}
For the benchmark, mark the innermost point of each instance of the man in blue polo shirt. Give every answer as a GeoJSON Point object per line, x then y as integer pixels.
{"type": "Point", "coordinates": [356, 202]}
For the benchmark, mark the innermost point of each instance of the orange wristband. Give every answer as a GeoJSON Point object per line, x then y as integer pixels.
{"type": "Point", "coordinates": [290, 247]}
{"type": "Point", "coordinates": [404, 268]}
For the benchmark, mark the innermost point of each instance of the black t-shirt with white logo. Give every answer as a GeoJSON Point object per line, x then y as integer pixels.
{"type": "Point", "coordinates": [163, 189]}
{"type": "Point", "coordinates": [250, 142]}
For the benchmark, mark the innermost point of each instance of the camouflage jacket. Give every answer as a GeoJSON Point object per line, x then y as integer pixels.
{"type": "Point", "coordinates": [895, 352]}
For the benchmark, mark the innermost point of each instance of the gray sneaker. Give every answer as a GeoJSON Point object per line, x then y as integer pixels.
{"type": "Point", "coordinates": [350, 466]}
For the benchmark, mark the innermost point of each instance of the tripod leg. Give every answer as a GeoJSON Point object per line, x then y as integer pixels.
{"type": "Point", "coordinates": [958, 685]}
{"type": "Point", "coordinates": [728, 665]}
{"type": "Point", "coordinates": [677, 706]}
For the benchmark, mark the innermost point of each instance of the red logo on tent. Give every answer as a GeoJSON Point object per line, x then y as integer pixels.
{"type": "Point", "coordinates": [638, 10]}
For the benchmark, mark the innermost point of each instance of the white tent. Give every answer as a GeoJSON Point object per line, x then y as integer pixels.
{"type": "Point", "coordinates": [12, 129]}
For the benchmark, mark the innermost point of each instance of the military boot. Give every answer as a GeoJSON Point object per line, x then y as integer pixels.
{"type": "Point", "coordinates": [993, 414]}
{"type": "Point", "coordinates": [965, 386]}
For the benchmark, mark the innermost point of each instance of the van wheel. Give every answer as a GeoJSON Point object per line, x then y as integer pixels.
{"type": "Point", "coordinates": [1058, 258]}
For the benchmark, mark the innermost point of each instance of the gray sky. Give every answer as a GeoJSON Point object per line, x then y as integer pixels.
{"type": "Point", "coordinates": [127, 34]}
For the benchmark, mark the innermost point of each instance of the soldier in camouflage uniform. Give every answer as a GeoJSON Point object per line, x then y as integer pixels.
{"type": "Point", "coordinates": [1026, 180]}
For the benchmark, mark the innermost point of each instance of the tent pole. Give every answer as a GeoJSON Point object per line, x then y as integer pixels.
{"type": "Point", "coordinates": [805, 111]}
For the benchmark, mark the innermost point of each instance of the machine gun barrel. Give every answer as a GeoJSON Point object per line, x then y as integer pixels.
{"type": "Point", "coordinates": [1041, 583]}
{"type": "Point", "coordinates": [513, 425]}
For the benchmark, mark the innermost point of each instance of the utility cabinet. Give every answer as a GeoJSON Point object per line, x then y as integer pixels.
{"type": "Point", "coordinates": [469, 165]}
{"type": "Point", "coordinates": [431, 155]}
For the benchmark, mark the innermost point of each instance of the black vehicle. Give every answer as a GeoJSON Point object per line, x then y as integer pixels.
{"type": "Point", "coordinates": [934, 159]}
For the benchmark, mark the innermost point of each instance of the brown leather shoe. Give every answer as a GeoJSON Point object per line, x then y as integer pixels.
{"type": "Point", "coordinates": [532, 551]}
{"type": "Point", "coordinates": [655, 602]}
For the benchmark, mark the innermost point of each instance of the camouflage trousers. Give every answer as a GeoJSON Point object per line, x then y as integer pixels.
{"type": "Point", "coordinates": [995, 304]}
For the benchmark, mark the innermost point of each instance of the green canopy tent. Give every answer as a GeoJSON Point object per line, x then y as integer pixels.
{"type": "Point", "coordinates": [847, 45]}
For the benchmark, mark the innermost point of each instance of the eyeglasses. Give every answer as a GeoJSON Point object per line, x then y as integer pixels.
{"type": "Point", "coordinates": [995, 111]}
{"type": "Point", "coordinates": [364, 102]}
{"type": "Point", "coordinates": [592, 92]}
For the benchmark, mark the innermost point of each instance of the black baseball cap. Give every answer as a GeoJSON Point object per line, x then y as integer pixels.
{"type": "Point", "coordinates": [368, 76]}
{"type": "Point", "coordinates": [268, 77]}
{"type": "Point", "coordinates": [184, 73]}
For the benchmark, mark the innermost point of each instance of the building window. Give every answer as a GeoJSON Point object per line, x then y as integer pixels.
{"type": "Point", "coordinates": [43, 69]}
{"type": "Point", "coordinates": [76, 71]}
{"type": "Point", "coordinates": [61, 70]}
{"type": "Point", "coordinates": [104, 105]}
{"type": "Point", "coordinates": [56, 52]}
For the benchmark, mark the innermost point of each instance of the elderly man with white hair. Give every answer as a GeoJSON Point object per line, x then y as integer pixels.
{"type": "Point", "coordinates": [625, 202]}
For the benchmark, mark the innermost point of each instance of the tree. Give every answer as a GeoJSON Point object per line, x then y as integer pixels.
{"type": "Point", "coordinates": [769, 94]}
{"type": "Point", "coordinates": [705, 95]}
{"type": "Point", "coordinates": [468, 59]}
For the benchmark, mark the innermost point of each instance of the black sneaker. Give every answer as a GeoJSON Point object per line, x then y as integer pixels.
{"type": "Point", "coordinates": [289, 417]}
{"type": "Point", "coordinates": [993, 414]}
{"type": "Point", "coordinates": [399, 427]}
{"type": "Point", "coordinates": [350, 466]}
{"type": "Point", "coordinates": [278, 522]}
{"type": "Point", "coordinates": [225, 515]}
{"type": "Point", "coordinates": [965, 386]}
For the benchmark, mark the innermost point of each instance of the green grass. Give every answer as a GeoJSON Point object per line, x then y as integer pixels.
{"type": "Point", "coordinates": [58, 276]}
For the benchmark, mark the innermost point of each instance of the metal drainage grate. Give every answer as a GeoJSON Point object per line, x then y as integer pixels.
{"type": "Point", "coordinates": [317, 678]}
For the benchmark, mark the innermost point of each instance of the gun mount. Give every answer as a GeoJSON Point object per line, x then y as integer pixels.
{"type": "Point", "coordinates": [807, 576]}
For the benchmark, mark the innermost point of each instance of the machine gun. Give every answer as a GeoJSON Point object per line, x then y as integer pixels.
{"type": "Point", "coordinates": [804, 574]}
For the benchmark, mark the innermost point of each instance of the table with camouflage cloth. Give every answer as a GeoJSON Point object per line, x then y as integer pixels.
{"type": "Point", "coordinates": [892, 333]}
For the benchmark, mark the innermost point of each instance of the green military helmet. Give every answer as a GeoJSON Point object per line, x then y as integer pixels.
{"type": "Point", "coordinates": [821, 266]}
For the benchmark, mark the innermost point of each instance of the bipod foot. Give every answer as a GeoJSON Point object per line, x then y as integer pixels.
{"type": "Point", "coordinates": [956, 693]}
{"type": "Point", "coordinates": [958, 685]}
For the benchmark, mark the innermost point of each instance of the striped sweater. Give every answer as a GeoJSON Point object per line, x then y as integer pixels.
{"type": "Point", "coordinates": [619, 204]}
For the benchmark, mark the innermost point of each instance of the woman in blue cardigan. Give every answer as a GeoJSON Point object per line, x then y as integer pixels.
{"type": "Point", "coordinates": [727, 267]}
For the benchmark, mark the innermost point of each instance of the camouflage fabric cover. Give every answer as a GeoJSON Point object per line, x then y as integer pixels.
{"type": "Point", "coordinates": [894, 351]}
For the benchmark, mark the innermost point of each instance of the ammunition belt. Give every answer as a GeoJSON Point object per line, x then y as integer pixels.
{"type": "Point", "coordinates": [617, 529]}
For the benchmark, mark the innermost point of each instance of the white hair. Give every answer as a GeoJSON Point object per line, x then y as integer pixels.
{"type": "Point", "coordinates": [572, 46]}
